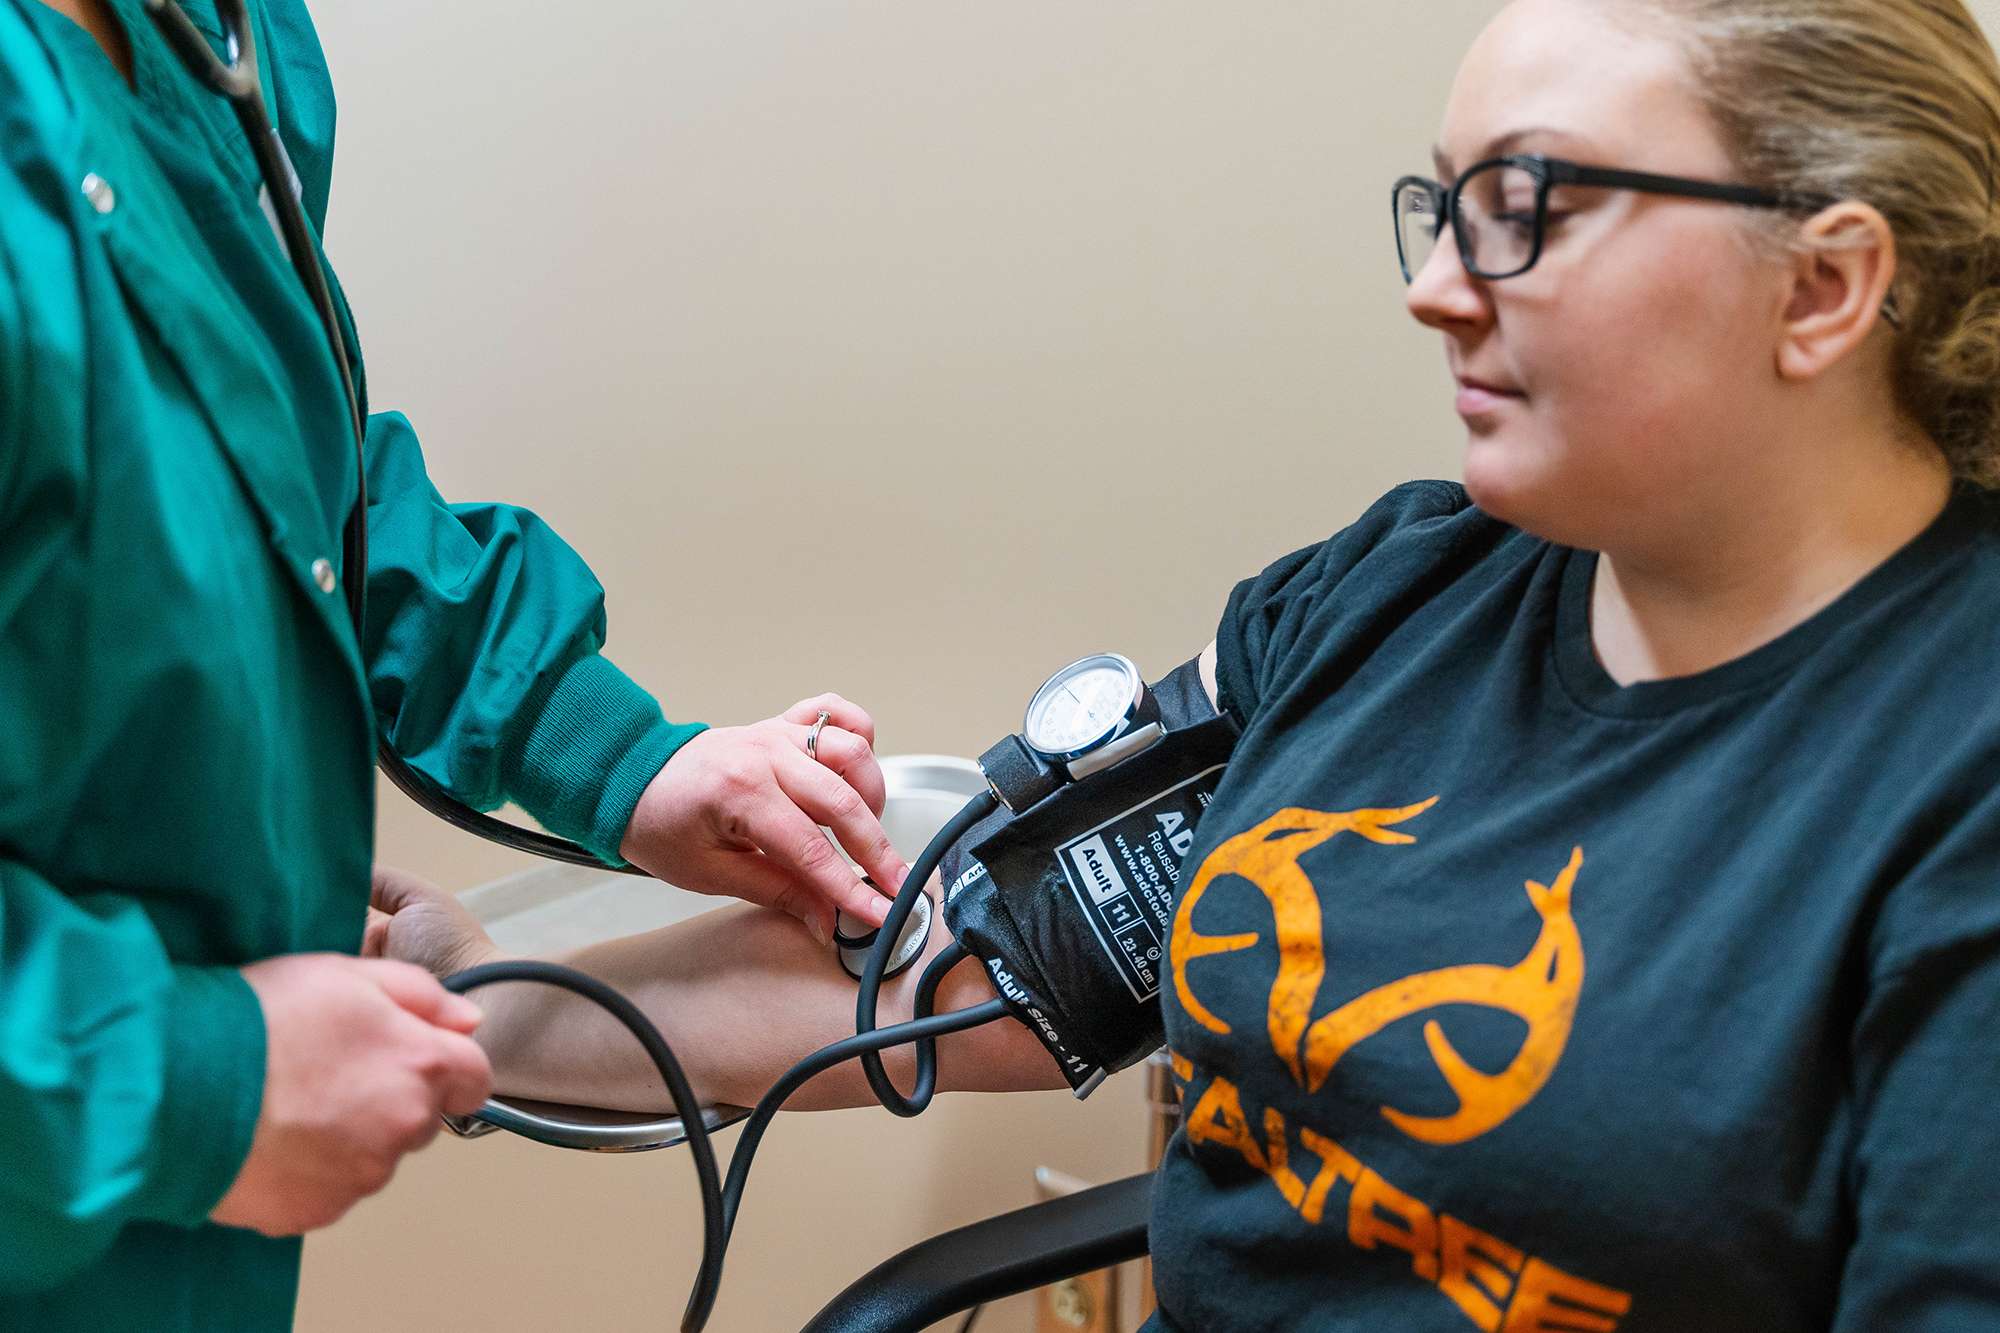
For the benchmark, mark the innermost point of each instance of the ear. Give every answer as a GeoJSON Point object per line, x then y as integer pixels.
{"type": "Point", "coordinates": [1839, 286]}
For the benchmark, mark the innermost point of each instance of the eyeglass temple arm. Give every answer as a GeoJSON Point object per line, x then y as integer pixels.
{"type": "Point", "coordinates": [1567, 173]}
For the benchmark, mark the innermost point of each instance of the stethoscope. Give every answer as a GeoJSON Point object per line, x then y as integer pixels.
{"type": "Point", "coordinates": [1084, 716]}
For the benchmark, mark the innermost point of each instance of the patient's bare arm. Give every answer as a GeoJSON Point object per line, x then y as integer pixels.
{"type": "Point", "coordinates": [741, 993]}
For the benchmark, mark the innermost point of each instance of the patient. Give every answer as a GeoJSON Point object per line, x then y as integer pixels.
{"type": "Point", "coordinates": [1597, 928]}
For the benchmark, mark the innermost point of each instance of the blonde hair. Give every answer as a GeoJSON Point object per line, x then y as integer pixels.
{"type": "Point", "coordinates": [1895, 103]}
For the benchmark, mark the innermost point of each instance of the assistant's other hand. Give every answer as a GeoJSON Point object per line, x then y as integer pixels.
{"type": "Point", "coordinates": [737, 811]}
{"type": "Point", "coordinates": [361, 1057]}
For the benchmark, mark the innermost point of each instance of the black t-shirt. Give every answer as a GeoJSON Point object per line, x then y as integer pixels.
{"type": "Point", "coordinates": [1506, 998]}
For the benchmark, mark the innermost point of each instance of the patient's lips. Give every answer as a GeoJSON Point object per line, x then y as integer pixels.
{"type": "Point", "coordinates": [1480, 395]}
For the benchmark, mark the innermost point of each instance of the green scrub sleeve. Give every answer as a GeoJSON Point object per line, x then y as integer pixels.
{"type": "Point", "coordinates": [484, 640]}
{"type": "Point", "coordinates": [129, 1086]}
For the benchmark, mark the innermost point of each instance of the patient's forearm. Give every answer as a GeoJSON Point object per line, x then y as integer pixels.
{"type": "Point", "coordinates": [740, 993]}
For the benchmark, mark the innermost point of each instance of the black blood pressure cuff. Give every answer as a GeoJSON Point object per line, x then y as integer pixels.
{"type": "Point", "coordinates": [1069, 905]}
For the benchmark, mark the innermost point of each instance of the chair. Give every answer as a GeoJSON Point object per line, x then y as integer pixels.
{"type": "Point", "coordinates": [1015, 1252]}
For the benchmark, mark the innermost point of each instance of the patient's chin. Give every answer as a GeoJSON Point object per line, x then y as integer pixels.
{"type": "Point", "coordinates": [1511, 484]}
{"type": "Point", "coordinates": [1497, 478]}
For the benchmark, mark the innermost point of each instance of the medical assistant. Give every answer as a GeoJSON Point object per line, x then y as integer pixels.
{"type": "Point", "coordinates": [186, 779]}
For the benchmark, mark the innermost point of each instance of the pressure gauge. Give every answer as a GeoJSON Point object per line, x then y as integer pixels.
{"type": "Point", "coordinates": [1092, 715]}
{"type": "Point", "coordinates": [1085, 705]}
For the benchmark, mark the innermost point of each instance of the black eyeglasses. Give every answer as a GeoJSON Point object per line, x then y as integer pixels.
{"type": "Point", "coordinates": [1499, 210]}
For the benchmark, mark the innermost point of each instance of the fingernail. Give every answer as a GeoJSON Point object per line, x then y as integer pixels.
{"type": "Point", "coordinates": [818, 931]}
{"type": "Point", "coordinates": [465, 1011]}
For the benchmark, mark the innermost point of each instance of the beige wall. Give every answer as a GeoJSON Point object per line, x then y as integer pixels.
{"type": "Point", "coordinates": [905, 349]}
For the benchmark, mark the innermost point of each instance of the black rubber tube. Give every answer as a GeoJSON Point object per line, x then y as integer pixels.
{"type": "Point", "coordinates": [872, 971]}
{"type": "Point", "coordinates": [715, 1234]}
{"type": "Point", "coordinates": [720, 1201]}
{"type": "Point", "coordinates": [937, 1025]}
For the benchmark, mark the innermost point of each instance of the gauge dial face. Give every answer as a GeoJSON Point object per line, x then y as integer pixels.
{"type": "Point", "coordinates": [1082, 705]}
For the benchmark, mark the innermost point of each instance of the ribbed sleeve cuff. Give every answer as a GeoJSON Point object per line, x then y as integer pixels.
{"type": "Point", "coordinates": [597, 739]}
{"type": "Point", "coordinates": [213, 1088]}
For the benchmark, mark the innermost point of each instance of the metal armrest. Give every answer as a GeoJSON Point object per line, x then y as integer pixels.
{"type": "Point", "coordinates": [1014, 1252]}
{"type": "Point", "coordinates": [588, 1128]}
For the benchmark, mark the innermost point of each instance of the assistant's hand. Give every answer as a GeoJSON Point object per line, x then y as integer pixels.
{"type": "Point", "coordinates": [737, 810]}
{"type": "Point", "coordinates": [412, 920]}
{"type": "Point", "coordinates": [361, 1056]}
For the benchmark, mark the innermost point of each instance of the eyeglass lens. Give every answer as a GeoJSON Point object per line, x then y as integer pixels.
{"type": "Point", "coordinates": [1496, 221]}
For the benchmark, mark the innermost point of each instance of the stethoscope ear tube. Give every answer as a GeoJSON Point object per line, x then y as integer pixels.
{"type": "Point", "coordinates": [546, 845]}
{"type": "Point", "coordinates": [237, 80]}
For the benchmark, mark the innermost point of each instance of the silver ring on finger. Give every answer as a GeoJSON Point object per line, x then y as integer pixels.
{"type": "Point", "coordinates": [812, 737]}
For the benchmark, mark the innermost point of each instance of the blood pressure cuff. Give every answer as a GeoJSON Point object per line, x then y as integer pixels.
{"type": "Point", "coordinates": [1070, 904]}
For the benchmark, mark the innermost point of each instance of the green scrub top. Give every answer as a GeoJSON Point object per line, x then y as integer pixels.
{"type": "Point", "coordinates": [186, 772]}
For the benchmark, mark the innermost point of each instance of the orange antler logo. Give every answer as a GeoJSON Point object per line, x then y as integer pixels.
{"type": "Point", "coordinates": [1542, 989]}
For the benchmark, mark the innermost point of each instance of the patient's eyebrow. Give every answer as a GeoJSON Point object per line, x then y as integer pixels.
{"type": "Point", "coordinates": [1503, 144]}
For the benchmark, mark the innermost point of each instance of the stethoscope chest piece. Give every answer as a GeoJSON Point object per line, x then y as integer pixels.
{"type": "Point", "coordinates": [852, 939]}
